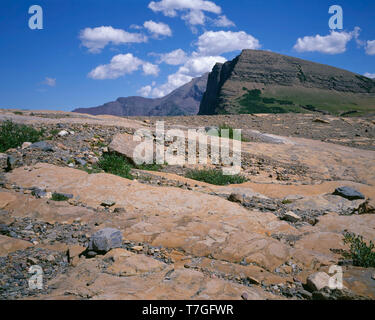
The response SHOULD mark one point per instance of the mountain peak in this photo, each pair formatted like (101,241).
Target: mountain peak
(182,101)
(259,81)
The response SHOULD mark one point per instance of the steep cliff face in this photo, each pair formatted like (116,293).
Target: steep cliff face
(259,80)
(182,101)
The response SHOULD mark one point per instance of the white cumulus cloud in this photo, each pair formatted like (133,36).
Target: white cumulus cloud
(333,43)
(224,22)
(158,28)
(95,39)
(370,47)
(195,66)
(174,58)
(145,91)
(150,69)
(192,11)
(216,43)
(170,7)
(120,65)
(195,17)
(370,75)
(198,65)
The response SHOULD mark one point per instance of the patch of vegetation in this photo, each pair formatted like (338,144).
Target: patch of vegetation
(253,102)
(118,165)
(149,167)
(231,131)
(18,113)
(91,170)
(54,132)
(215,177)
(286,201)
(13,135)
(59,197)
(363,255)
(115,164)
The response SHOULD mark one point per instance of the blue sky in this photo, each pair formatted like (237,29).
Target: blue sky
(158,45)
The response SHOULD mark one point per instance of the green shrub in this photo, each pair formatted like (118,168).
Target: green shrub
(13,135)
(215,177)
(363,255)
(115,164)
(118,165)
(59,197)
(149,167)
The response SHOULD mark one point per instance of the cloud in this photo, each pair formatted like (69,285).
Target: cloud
(51,82)
(96,39)
(195,66)
(150,69)
(224,22)
(216,43)
(145,91)
(170,7)
(195,17)
(174,58)
(333,43)
(370,75)
(120,65)
(370,47)
(158,29)
(198,65)
(193,11)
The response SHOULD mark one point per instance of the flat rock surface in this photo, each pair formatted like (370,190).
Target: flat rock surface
(182,238)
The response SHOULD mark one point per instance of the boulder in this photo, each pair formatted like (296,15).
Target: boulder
(74,253)
(236,197)
(125,145)
(9,245)
(317,281)
(348,193)
(105,240)
(25,145)
(291,217)
(63,133)
(43,146)
(3,161)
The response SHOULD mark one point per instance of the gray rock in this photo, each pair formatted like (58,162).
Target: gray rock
(349,193)
(108,203)
(81,162)
(291,217)
(105,240)
(11,162)
(38,193)
(317,281)
(43,146)
(4,229)
(3,161)
(305,294)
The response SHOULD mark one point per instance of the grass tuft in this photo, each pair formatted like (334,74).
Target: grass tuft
(215,177)
(13,135)
(363,255)
(59,197)
(115,164)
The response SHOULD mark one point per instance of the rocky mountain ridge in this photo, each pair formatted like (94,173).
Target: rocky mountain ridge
(182,101)
(262,79)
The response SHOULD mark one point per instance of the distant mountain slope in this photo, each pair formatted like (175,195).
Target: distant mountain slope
(266,82)
(182,101)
